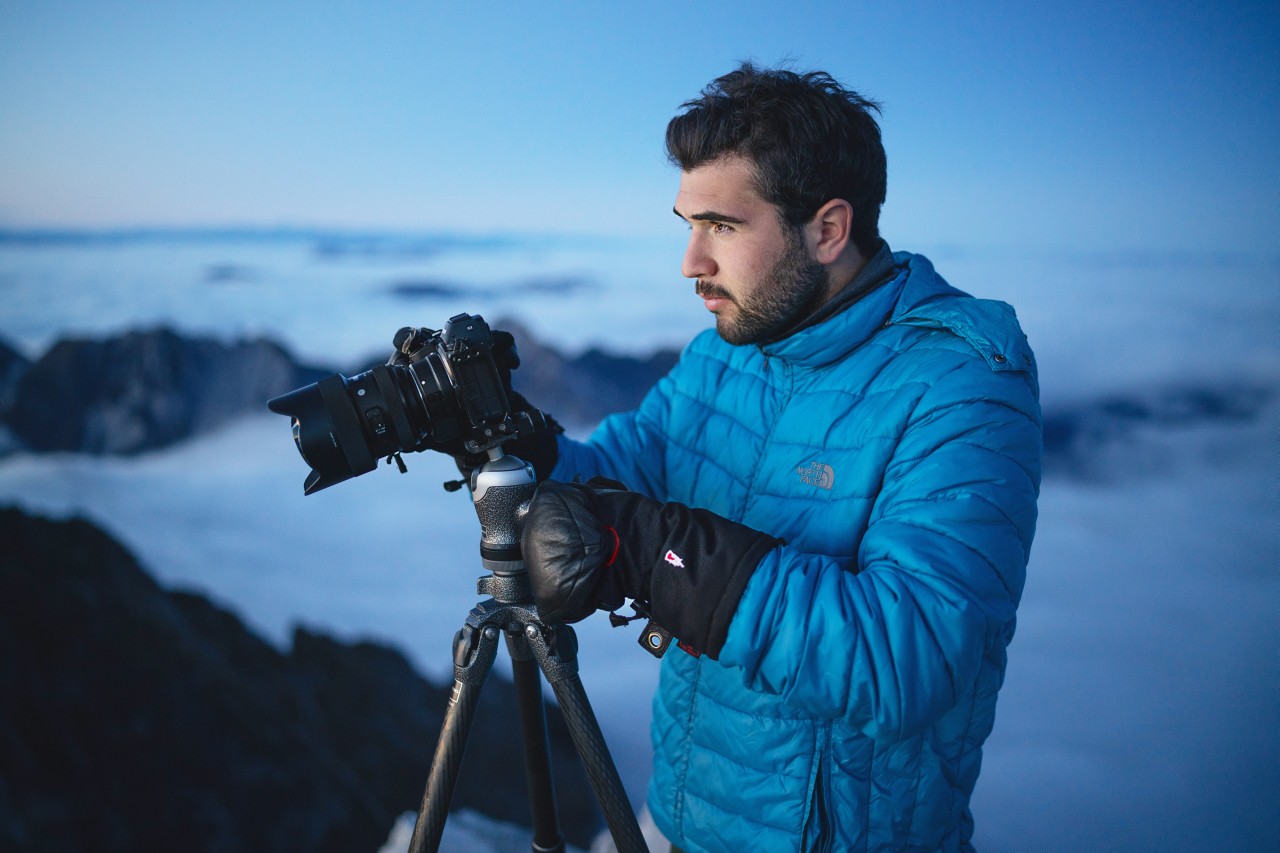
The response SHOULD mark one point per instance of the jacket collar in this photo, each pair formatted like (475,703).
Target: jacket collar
(912,284)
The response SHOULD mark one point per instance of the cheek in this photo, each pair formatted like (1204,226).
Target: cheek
(752,265)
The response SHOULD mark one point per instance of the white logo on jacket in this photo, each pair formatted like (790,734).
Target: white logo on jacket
(674,559)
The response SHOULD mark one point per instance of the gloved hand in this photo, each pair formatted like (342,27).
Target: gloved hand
(589,546)
(540,448)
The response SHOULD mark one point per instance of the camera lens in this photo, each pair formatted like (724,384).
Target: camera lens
(326,428)
(445,394)
(343,426)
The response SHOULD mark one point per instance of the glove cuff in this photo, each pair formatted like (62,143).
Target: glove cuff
(691,564)
(697,602)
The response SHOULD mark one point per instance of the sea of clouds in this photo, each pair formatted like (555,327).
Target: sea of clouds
(1140,705)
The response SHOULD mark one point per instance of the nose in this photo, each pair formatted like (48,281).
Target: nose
(697,262)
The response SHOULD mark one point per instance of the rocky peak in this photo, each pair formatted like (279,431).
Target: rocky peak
(135,718)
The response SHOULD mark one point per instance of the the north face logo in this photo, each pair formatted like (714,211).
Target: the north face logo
(817,474)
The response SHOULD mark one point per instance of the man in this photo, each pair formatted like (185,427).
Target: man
(829,501)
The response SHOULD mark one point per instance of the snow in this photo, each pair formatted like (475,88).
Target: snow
(468,831)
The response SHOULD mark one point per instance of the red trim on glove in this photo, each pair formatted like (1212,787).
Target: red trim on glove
(617,546)
(688,649)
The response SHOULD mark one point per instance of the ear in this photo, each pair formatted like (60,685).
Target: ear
(830,230)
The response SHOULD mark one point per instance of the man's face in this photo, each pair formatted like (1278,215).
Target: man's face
(753,271)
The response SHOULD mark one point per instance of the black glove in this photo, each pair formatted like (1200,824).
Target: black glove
(539,448)
(589,546)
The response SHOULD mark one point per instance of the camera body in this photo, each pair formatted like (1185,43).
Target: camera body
(445,390)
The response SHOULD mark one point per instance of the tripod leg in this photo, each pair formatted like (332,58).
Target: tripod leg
(470,672)
(599,765)
(537,752)
(561,668)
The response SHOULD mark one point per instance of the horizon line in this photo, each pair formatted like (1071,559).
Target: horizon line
(342,239)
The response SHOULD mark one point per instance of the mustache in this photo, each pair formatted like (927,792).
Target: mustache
(711,290)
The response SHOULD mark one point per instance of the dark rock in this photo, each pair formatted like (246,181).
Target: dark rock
(554,285)
(228,273)
(582,389)
(138,719)
(437,289)
(428,290)
(144,390)
(13,365)
(150,389)
(1100,437)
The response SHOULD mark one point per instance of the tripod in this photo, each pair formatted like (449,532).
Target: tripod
(501,489)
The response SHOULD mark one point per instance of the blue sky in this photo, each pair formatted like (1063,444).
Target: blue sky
(1060,126)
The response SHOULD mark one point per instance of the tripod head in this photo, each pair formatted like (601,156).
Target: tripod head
(501,489)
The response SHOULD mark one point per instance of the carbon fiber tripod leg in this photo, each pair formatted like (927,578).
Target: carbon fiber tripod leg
(547,837)
(470,673)
(561,669)
(599,765)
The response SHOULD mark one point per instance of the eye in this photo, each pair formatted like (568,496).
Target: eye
(721,228)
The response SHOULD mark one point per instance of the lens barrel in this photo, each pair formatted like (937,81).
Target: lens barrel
(343,426)
(443,390)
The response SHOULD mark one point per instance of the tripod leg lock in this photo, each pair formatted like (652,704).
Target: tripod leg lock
(474,645)
(556,649)
(463,645)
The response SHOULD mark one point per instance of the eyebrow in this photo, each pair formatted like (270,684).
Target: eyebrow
(709,216)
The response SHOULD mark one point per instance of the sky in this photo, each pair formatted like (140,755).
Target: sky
(1079,127)
(1137,141)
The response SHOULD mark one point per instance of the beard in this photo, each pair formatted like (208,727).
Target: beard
(793,289)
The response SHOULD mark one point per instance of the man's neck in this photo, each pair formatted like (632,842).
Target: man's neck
(842,273)
(871,273)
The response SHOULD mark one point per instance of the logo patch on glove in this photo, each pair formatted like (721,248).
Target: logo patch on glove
(674,559)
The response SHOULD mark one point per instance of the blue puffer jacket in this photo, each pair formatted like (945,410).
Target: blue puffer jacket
(896,450)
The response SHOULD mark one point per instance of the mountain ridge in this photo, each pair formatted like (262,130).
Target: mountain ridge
(136,717)
(149,389)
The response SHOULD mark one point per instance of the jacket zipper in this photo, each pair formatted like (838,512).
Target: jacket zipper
(823,841)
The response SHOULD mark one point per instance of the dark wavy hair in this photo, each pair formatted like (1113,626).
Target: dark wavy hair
(810,139)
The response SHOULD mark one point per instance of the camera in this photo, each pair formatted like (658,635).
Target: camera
(446,390)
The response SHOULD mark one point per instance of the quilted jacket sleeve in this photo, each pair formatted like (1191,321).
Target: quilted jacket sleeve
(628,447)
(892,647)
